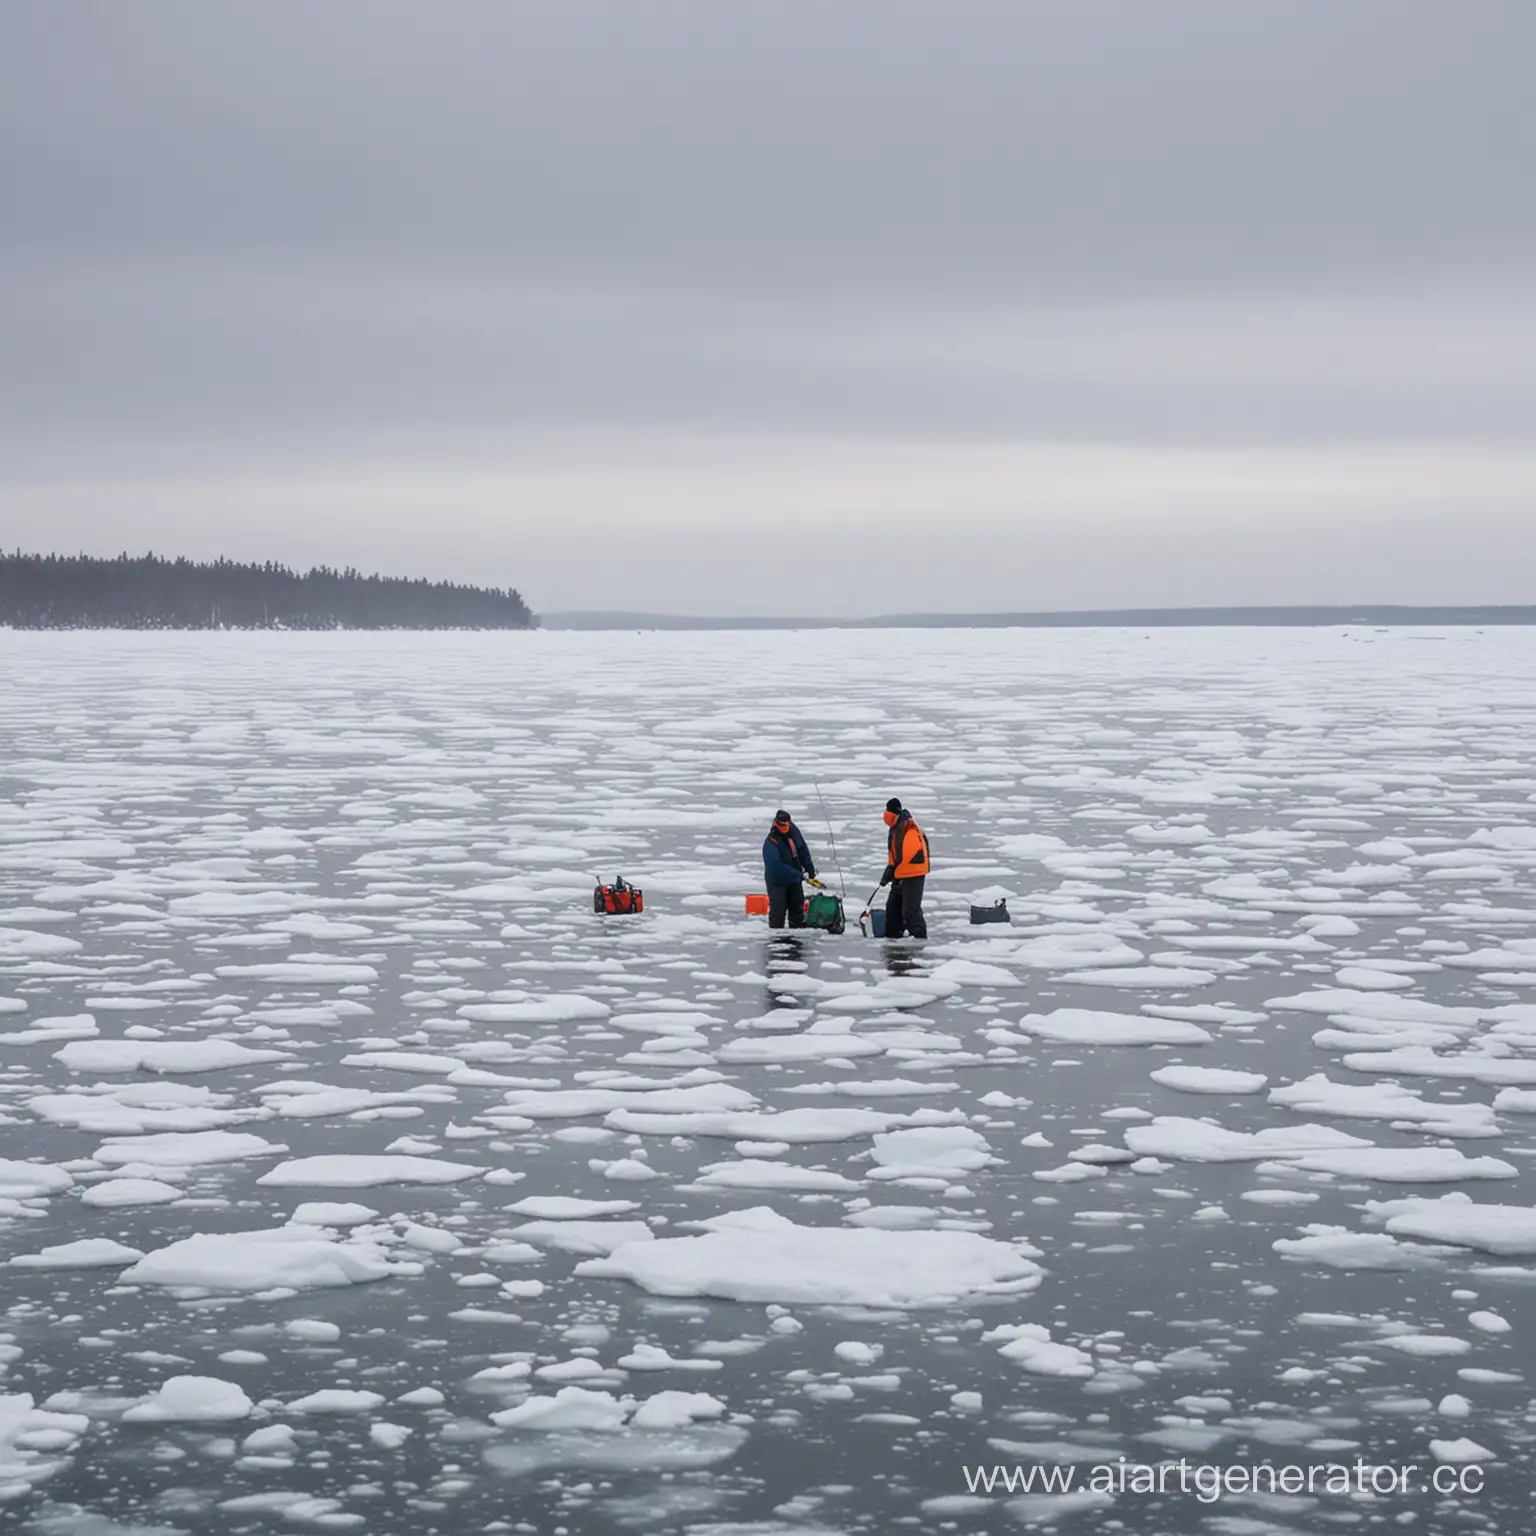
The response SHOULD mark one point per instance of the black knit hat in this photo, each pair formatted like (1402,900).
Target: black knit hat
(893,804)
(781,815)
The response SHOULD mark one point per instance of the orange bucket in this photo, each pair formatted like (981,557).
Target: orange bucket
(757,906)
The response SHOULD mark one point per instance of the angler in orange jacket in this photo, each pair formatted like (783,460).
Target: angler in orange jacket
(906,869)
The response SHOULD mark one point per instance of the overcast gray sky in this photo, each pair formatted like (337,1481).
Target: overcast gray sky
(736,307)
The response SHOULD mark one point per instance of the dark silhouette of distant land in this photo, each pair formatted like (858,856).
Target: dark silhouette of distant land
(148,592)
(1087,618)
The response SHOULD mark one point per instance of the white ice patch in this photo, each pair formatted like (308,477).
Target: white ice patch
(562,1008)
(897,992)
(651,1357)
(585,1237)
(1198,1141)
(1339,1248)
(569,1208)
(773,1260)
(1421,1061)
(169,1056)
(795,1048)
(32,1181)
(364,1171)
(26,944)
(973,973)
(1077,951)
(941,1151)
(1145,977)
(301,973)
(120,1193)
(337,1401)
(1349,1003)
(133,1109)
(797,1126)
(1215,1080)
(32,1442)
(1507,1230)
(76,1026)
(289,1257)
(1029,1345)
(581,1409)
(85,1253)
(1460,1452)
(759,1173)
(192,1400)
(190,1149)
(1403,1165)
(580,1103)
(1368,979)
(1318,1095)
(1081,1026)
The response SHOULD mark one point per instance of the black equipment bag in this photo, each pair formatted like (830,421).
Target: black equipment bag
(996,913)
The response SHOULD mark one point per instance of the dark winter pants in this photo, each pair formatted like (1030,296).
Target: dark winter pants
(904,909)
(786,900)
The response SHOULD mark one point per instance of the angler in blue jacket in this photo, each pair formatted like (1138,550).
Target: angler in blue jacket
(786,863)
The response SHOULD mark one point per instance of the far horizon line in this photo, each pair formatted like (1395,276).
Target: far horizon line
(1214,616)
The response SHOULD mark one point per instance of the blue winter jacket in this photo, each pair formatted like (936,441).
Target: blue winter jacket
(786,859)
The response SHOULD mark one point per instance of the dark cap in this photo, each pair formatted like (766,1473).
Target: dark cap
(893,804)
(781,815)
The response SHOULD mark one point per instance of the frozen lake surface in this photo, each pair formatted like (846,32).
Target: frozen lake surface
(355,1176)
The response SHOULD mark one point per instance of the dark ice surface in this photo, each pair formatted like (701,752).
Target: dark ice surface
(409,798)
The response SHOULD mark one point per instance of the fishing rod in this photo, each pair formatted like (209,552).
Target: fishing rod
(832,839)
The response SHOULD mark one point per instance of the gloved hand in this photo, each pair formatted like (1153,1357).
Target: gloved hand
(812,880)
(885,879)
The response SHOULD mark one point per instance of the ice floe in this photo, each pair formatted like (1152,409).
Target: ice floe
(1081,1026)
(1184,1140)
(192,1400)
(760,1256)
(293,1256)
(1216,1080)
(364,1171)
(1508,1230)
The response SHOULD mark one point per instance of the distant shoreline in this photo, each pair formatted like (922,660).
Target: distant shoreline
(1376,615)
(149,592)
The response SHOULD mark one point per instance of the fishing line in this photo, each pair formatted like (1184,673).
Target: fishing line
(832,838)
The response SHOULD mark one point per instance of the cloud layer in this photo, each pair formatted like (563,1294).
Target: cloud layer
(781,309)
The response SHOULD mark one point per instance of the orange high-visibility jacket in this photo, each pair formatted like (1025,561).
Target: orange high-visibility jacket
(908,849)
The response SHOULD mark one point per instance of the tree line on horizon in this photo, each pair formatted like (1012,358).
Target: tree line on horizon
(151,592)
